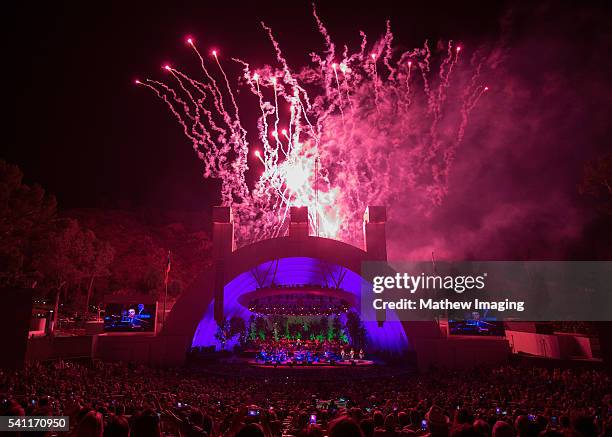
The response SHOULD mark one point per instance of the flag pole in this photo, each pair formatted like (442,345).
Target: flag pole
(316,214)
(168,264)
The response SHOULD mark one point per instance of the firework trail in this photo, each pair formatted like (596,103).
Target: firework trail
(354,134)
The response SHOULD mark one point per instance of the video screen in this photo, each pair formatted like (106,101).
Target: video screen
(474,323)
(129,317)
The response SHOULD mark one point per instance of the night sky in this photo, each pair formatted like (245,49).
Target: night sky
(85,132)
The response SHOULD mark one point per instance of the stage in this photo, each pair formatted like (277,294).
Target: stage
(312,365)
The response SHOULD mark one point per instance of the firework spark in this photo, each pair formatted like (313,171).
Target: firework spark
(364,133)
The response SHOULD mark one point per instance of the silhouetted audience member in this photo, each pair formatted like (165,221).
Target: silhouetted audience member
(367,427)
(502,429)
(379,419)
(565,423)
(482,428)
(585,426)
(117,426)
(437,422)
(311,431)
(146,424)
(251,430)
(521,425)
(344,427)
(551,433)
(463,416)
(403,419)
(463,430)
(91,425)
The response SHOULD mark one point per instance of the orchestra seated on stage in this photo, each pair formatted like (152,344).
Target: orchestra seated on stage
(312,351)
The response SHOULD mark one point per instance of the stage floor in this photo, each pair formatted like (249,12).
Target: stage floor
(337,365)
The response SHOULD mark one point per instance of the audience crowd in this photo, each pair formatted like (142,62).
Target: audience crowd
(237,401)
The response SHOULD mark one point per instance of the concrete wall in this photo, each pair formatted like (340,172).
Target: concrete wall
(37,323)
(559,346)
(573,345)
(543,345)
(46,348)
(142,348)
(461,352)
(139,348)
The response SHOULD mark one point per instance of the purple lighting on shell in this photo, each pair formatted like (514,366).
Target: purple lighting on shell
(299,270)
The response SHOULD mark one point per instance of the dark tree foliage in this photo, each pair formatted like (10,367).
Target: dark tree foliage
(141,240)
(597,183)
(38,249)
(237,326)
(355,330)
(26,215)
(71,258)
(223,332)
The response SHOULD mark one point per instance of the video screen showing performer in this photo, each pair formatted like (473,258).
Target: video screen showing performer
(129,317)
(474,323)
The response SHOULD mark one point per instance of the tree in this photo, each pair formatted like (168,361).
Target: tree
(70,256)
(231,328)
(597,182)
(59,258)
(318,328)
(261,327)
(100,262)
(223,331)
(279,325)
(355,329)
(237,326)
(336,329)
(252,328)
(26,213)
(141,239)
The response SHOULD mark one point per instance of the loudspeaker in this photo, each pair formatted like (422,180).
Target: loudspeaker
(15,326)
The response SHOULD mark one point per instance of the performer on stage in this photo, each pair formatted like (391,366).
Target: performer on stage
(352,354)
(131,316)
(361,354)
(140,318)
(342,353)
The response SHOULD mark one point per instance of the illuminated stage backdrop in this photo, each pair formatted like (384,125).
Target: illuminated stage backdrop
(299,270)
